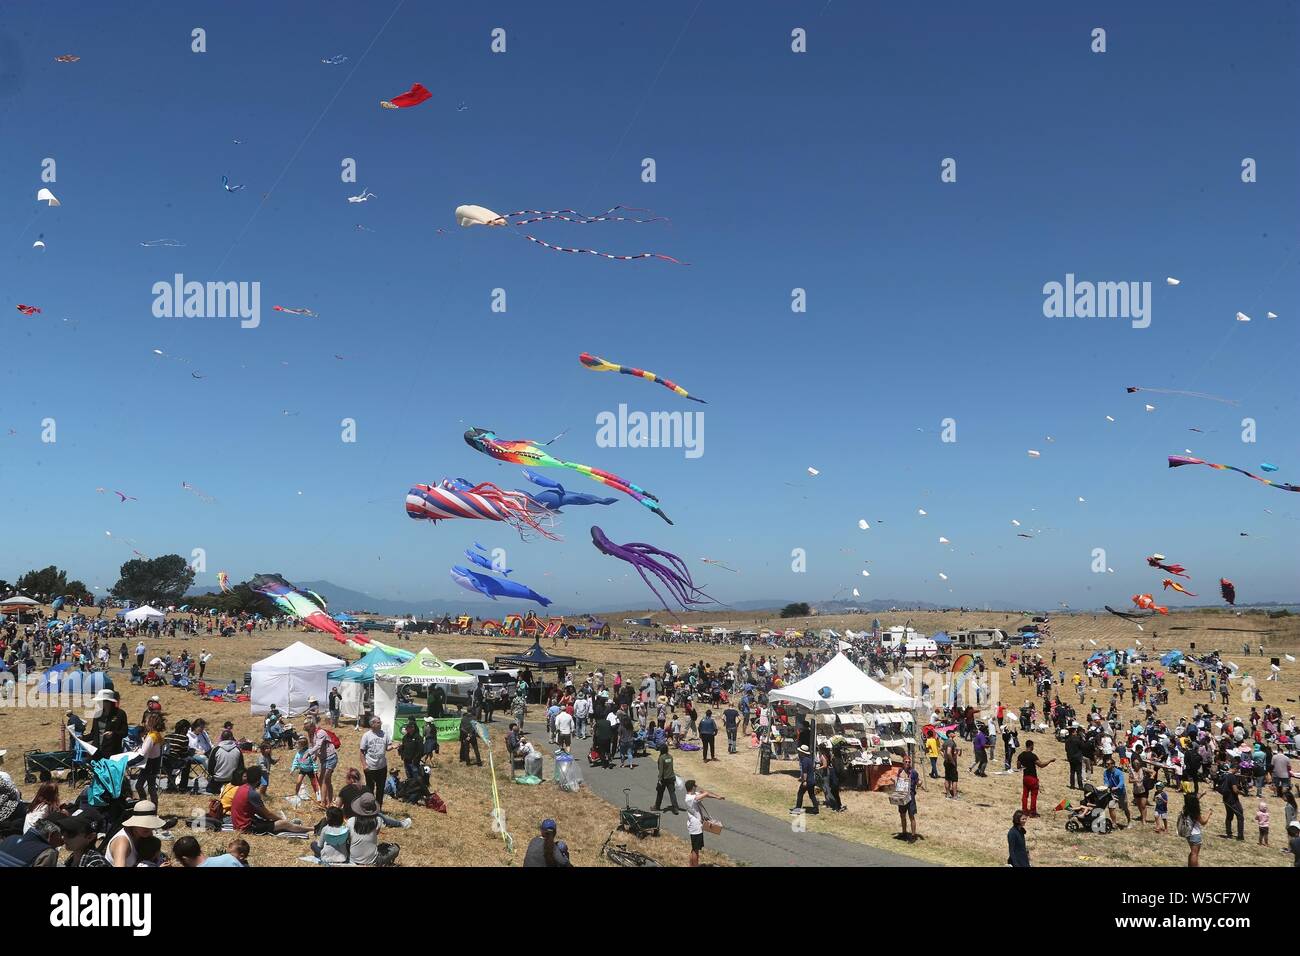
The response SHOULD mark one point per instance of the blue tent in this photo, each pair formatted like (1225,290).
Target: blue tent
(66,679)
(1172,658)
(343,617)
(364,669)
(941,638)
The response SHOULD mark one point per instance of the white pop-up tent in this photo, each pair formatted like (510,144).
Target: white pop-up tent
(847,687)
(144,614)
(291,677)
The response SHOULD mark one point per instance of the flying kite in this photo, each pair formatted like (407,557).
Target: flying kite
(1242,317)
(223,582)
(44,195)
(1228,590)
(40,242)
(1177,460)
(67,58)
(1148,603)
(1129,615)
(719,564)
(1265,466)
(165,243)
(813,472)
(1155,562)
(122,496)
(225,182)
(484,562)
(495,587)
(1178,391)
(416,95)
(459,499)
(1170,280)
(334,60)
(521,452)
(864,524)
(306,606)
(305,313)
(1270,315)
(1171,583)
(28,309)
(1035,454)
(364,196)
(470,215)
(598,364)
(556,497)
(666,566)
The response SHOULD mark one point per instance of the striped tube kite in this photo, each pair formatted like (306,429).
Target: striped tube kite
(598,364)
(457,498)
(520,452)
(1176,461)
(1171,583)
(306,606)
(470,215)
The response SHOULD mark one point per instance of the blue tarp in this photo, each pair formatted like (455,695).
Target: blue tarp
(941,638)
(1170,658)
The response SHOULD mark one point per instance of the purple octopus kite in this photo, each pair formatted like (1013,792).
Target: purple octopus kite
(672,571)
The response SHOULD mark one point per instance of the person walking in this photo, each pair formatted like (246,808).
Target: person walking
(807,780)
(1017,851)
(708,734)
(666,779)
(731,723)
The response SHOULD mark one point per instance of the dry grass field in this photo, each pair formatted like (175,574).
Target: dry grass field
(969,831)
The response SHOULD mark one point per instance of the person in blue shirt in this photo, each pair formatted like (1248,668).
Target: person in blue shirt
(1114,779)
(708,733)
(981,752)
(731,721)
(1017,851)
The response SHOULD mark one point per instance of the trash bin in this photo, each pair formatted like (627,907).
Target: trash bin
(533,765)
(765,759)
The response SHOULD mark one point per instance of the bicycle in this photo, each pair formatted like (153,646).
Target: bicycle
(620,855)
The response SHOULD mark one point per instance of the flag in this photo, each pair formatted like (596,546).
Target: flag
(1063,805)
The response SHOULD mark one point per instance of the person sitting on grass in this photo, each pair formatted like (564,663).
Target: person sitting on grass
(249,814)
(332,836)
(363,829)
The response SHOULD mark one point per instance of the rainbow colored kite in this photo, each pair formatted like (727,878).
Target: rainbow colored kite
(306,606)
(962,667)
(598,364)
(529,453)
(1177,460)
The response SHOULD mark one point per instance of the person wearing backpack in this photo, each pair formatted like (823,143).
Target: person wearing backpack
(1230,790)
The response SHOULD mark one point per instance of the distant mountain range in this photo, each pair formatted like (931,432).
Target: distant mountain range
(346,599)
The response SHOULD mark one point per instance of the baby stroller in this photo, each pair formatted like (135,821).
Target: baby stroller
(1091,816)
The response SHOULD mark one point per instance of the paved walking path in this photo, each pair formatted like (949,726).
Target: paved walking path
(749,836)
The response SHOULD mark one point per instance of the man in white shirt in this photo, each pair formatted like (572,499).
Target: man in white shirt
(375,745)
(564,730)
(695,815)
(581,711)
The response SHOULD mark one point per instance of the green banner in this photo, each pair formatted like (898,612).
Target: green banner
(448,727)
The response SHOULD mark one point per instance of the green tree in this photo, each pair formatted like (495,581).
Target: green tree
(76,590)
(796,610)
(46,584)
(162,580)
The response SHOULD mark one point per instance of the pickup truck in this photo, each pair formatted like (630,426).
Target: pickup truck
(498,683)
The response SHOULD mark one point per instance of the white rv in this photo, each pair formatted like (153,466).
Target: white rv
(981,637)
(894,637)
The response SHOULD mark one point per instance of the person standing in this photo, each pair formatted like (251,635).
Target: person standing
(1030,764)
(666,779)
(1113,778)
(708,734)
(907,783)
(981,752)
(807,780)
(1230,790)
(932,751)
(564,730)
(731,723)
(1074,756)
(468,738)
(695,814)
(1192,819)
(950,755)
(1017,851)
(375,745)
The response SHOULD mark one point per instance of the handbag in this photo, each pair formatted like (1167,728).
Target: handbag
(708,823)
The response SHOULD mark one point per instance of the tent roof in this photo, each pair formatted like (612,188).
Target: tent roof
(19,600)
(364,669)
(142,612)
(535,656)
(849,688)
(426,668)
(298,655)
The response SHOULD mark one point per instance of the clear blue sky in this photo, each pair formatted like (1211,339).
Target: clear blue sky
(778,171)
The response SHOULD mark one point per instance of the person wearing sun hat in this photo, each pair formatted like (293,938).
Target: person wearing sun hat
(142,822)
(364,826)
(108,728)
(807,780)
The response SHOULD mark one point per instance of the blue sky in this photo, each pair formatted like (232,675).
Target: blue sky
(778,170)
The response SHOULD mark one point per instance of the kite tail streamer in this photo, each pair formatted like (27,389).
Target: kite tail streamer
(1177,460)
(573,216)
(604,255)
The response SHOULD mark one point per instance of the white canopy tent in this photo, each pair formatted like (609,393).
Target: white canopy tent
(848,687)
(144,614)
(291,677)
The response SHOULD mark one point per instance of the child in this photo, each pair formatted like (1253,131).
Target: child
(266,762)
(238,848)
(1261,818)
(331,844)
(304,766)
(1162,808)
(390,785)
(149,851)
